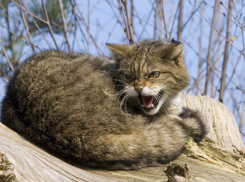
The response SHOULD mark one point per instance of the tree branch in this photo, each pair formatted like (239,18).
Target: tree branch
(128,25)
(6,56)
(49,26)
(27,30)
(164,20)
(226,57)
(61,6)
(210,51)
(180,27)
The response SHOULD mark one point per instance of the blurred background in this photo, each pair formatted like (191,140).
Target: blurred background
(212,33)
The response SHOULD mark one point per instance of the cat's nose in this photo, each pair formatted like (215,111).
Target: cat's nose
(139,88)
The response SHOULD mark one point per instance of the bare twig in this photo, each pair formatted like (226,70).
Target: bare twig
(237,21)
(16,26)
(124,18)
(128,26)
(241,118)
(132,16)
(233,73)
(77,24)
(210,51)
(243,39)
(40,30)
(175,15)
(27,30)
(10,42)
(242,133)
(88,25)
(24,9)
(228,34)
(49,26)
(218,54)
(192,14)
(61,6)
(161,23)
(146,22)
(243,53)
(180,27)
(3,75)
(34,21)
(164,20)
(6,56)
(200,51)
(155,20)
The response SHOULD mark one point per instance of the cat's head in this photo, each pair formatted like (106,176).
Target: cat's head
(149,73)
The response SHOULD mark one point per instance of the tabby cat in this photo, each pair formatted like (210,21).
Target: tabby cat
(122,112)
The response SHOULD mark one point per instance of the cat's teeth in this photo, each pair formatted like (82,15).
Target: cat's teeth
(152,105)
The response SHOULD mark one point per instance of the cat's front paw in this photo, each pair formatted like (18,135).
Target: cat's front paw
(195,123)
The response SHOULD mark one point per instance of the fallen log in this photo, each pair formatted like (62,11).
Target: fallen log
(219,157)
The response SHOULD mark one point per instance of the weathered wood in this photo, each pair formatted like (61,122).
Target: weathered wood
(223,146)
(33,164)
(220,157)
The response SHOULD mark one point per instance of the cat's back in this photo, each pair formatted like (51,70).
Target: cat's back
(54,74)
(58,91)
(54,68)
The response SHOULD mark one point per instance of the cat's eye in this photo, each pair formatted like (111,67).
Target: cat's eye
(129,77)
(154,74)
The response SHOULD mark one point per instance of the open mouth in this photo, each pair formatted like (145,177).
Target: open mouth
(150,102)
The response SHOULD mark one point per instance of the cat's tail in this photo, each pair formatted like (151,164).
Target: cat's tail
(9,116)
(195,123)
(159,142)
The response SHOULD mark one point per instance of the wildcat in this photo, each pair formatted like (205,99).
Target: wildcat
(122,112)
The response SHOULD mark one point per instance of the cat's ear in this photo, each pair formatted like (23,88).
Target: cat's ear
(170,51)
(119,49)
(177,50)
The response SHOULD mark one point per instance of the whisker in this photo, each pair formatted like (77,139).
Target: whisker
(122,81)
(124,69)
(119,85)
(125,97)
(109,94)
(164,108)
(171,92)
(155,87)
(157,97)
(120,93)
(125,105)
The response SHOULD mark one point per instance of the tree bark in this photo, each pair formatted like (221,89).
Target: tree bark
(220,157)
